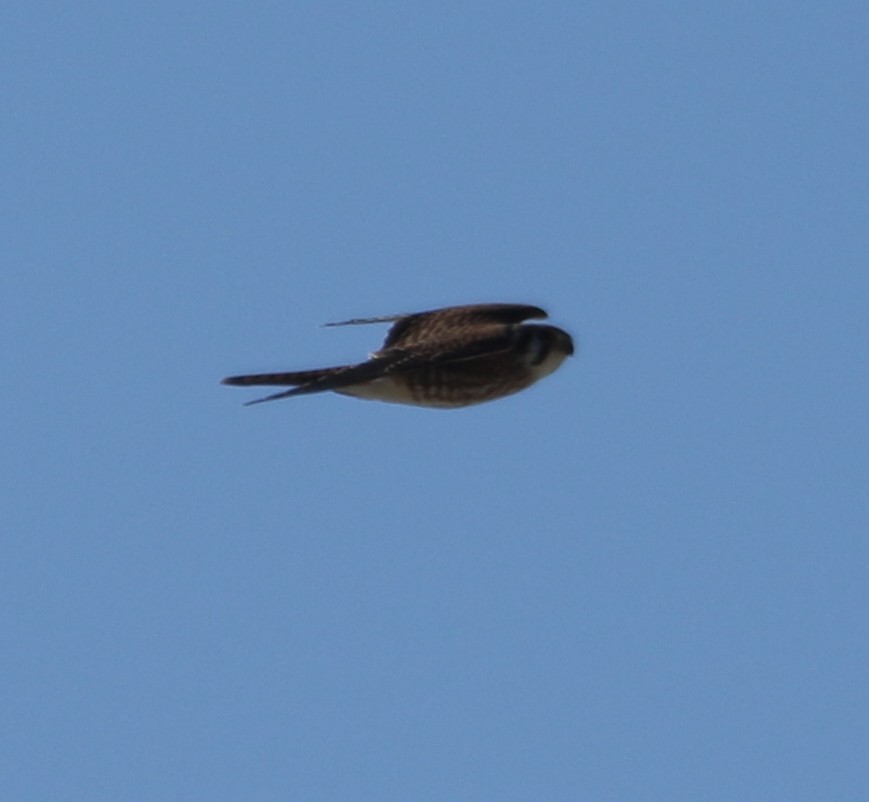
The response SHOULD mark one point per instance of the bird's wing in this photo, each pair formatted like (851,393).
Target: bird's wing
(357,321)
(454,322)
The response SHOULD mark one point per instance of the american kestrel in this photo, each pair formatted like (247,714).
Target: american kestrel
(445,358)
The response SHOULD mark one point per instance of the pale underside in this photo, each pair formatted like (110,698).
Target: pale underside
(457,384)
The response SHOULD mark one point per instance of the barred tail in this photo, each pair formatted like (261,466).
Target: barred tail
(282,379)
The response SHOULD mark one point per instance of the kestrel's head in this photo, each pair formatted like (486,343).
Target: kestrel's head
(544,347)
(560,340)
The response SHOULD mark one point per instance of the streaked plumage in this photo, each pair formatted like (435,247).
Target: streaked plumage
(447,358)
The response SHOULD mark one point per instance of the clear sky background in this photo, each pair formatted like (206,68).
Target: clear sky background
(646,578)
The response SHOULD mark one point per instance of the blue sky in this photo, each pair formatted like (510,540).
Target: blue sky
(643,579)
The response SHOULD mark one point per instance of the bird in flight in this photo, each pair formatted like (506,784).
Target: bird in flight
(444,358)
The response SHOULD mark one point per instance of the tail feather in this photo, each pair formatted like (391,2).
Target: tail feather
(281,379)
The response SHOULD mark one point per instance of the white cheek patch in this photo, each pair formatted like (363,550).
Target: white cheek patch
(536,349)
(549,363)
(540,351)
